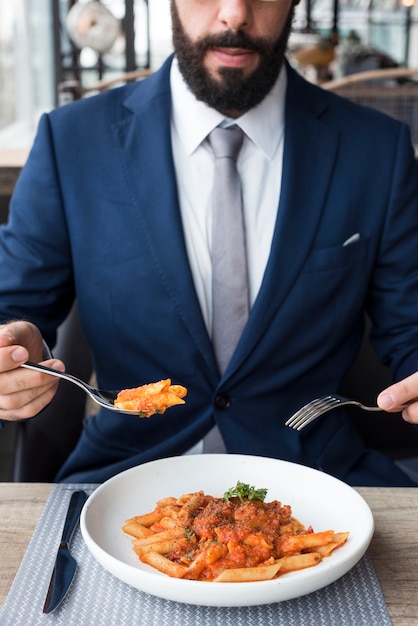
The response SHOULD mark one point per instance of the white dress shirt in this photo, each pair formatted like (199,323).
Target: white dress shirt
(260,167)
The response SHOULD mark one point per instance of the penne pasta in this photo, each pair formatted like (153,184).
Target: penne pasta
(338,540)
(166,535)
(164,565)
(246,574)
(238,538)
(149,518)
(152,398)
(160,547)
(297,543)
(298,561)
(136,530)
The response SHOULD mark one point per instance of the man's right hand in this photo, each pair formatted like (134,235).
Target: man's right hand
(23,393)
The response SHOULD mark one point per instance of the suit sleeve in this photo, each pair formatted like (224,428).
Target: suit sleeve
(393,303)
(35,259)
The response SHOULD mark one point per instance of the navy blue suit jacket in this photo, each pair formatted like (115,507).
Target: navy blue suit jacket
(95,214)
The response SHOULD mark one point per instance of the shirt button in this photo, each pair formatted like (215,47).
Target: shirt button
(222,401)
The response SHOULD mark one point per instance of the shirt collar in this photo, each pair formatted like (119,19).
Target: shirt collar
(194,119)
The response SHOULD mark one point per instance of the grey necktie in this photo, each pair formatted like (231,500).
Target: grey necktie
(229,263)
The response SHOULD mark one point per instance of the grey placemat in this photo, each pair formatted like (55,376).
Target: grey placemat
(100,599)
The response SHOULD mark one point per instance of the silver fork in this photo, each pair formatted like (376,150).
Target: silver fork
(319,406)
(100,396)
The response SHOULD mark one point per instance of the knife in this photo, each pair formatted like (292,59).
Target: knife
(65,564)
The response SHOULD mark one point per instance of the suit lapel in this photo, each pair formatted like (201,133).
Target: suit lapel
(143,141)
(142,136)
(308,159)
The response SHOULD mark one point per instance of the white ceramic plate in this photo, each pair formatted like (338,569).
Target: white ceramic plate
(316,499)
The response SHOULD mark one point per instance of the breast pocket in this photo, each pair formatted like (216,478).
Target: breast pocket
(338,258)
(332,286)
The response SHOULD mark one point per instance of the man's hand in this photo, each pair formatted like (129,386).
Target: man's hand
(402,396)
(23,392)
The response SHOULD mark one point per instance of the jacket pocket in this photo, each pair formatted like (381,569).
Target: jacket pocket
(338,257)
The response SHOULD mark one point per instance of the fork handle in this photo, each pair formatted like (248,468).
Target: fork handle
(49,370)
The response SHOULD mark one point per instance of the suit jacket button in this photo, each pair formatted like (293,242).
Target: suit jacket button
(222,401)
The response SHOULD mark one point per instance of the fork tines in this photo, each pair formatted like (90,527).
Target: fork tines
(311,411)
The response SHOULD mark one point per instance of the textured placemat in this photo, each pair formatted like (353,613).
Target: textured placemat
(100,599)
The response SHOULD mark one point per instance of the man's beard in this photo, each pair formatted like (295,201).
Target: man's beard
(232,91)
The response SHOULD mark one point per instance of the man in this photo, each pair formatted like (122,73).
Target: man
(114,207)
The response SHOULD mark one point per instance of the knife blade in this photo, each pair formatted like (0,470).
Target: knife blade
(65,564)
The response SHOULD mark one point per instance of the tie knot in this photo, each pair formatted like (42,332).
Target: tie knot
(226,142)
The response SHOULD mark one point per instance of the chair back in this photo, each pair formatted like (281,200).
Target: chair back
(71,90)
(43,443)
(391,90)
(386,432)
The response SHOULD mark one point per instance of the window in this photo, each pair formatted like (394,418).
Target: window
(26,69)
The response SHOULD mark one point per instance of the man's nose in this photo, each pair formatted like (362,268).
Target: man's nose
(236,14)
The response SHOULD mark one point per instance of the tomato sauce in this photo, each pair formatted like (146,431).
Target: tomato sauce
(235,534)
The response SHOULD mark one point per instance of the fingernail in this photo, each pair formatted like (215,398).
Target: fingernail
(386,401)
(19,354)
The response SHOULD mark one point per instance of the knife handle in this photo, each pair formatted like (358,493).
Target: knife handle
(77,502)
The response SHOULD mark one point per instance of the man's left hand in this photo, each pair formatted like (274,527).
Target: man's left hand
(401,397)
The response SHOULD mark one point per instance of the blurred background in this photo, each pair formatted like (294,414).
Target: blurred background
(45,44)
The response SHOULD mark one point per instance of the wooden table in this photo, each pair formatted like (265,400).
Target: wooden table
(394,548)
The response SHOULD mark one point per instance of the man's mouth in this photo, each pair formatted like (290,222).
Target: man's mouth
(233,57)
